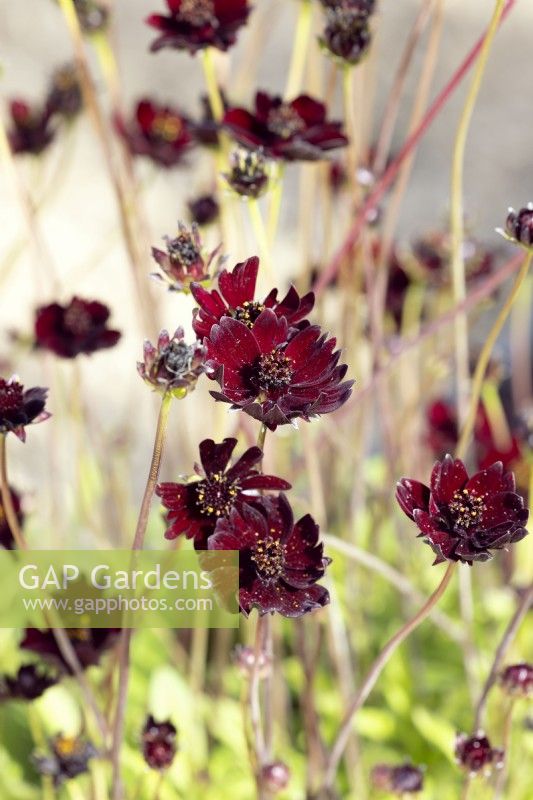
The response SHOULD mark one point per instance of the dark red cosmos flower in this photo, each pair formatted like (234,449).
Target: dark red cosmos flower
(69,757)
(517,680)
(195,507)
(29,683)
(519,225)
(89,644)
(80,326)
(432,257)
(173,366)
(249,174)
(158,132)
(183,262)
(462,518)
(6,536)
(20,407)
(235,299)
(280,562)
(347,34)
(274,378)
(196,24)
(204,209)
(295,131)
(475,753)
(442,432)
(31,130)
(65,95)
(398,779)
(159,743)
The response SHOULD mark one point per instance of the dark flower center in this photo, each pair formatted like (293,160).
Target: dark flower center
(284,121)
(197,12)
(182,250)
(78,320)
(467,508)
(216,495)
(268,557)
(178,357)
(167,127)
(248,312)
(274,371)
(11,396)
(66,746)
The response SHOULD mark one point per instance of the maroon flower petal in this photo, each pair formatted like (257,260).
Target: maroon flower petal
(447,478)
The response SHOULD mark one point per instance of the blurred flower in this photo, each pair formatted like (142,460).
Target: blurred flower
(279,562)
(206,129)
(401,779)
(195,507)
(275,776)
(249,173)
(235,299)
(196,24)
(517,680)
(31,130)
(159,743)
(295,131)
(431,255)
(92,16)
(347,34)
(29,683)
(20,407)
(69,757)
(475,753)
(158,132)
(183,261)
(462,518)
(337,175)
(244,658)
(204,209)
(275,380)
(65,97)
(443,433)
(78,327)
(6,536)
(519,225)
(173,366)
(89,644)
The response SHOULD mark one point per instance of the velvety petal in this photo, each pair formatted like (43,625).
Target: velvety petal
(238,286)
(412,495)
(215,457)
(261,481)
(448,477)
(269,331)
(232,343)
(489,481)
(311,111)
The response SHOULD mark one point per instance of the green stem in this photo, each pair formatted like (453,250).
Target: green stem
(261,236)
(299,52)
(211,82)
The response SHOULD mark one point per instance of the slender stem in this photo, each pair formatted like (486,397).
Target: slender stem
(211,82)
(299,52)
(7,502)
(276,196)
(506,747)
(466,788)
(374,673)
(507,638)
(117,791)
(261,235)
(484,357)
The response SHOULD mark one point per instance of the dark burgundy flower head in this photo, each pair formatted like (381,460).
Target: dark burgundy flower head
(206,129)
(249,172)
(92,16)
(65,97)
(432,257)
(173,366)
(295,131)
(6,536)
(442,428)
(184,261)
(475,753)
(275,776)
(31,129)
(280,562)
(274,377)
(20,407)
(461,518)
(194,507)
(69,757)
(204,209)
(89,644)
(235,298)
(398,779)
(517,680)
(347,34)
(159,743)
(158,132)
(78,327)
(196,24)
(519,225)
(29,683)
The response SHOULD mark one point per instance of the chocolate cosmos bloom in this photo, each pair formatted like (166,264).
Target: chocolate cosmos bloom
(519,225)
(6,536)
(89,644)
(158,132)
(461,518)
(235,299)
(173,366)
(29,683)
(20,407)
(347,35)
(249,174)
(159,743)
(195,507)
(295,131)
(31,130)
(475,753)
(517,680)
(274,378)
(196,24)
(400,780)
(78,327)
(183,262)
(280,562)
(69,758)
(204,209)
